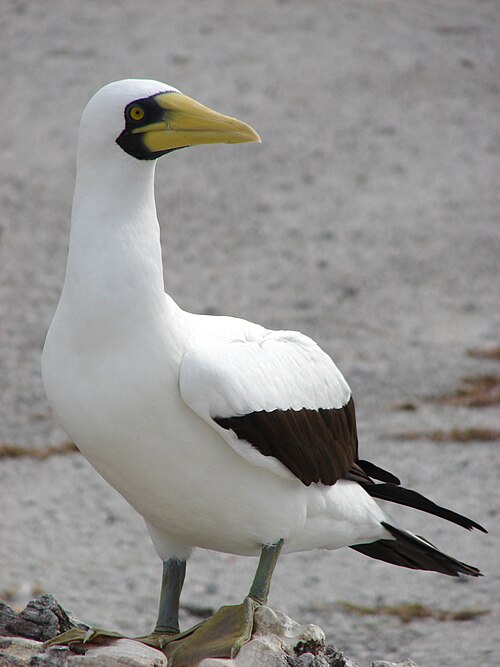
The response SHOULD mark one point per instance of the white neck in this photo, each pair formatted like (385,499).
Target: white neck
(114,251)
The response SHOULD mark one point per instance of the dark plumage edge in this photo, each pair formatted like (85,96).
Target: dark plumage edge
(315,445)
(402,496)
(378,473)
(415,553)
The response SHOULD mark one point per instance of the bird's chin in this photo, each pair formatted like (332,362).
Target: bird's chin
(134,145)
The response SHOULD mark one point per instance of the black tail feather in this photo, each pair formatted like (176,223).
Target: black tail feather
(402,496)
(377,473)
(410,551)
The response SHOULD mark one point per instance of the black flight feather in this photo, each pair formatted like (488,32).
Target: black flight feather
(409,551)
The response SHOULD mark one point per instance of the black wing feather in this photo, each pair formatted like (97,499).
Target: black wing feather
(402,496)
(322,446)
(315,445)
(406,550)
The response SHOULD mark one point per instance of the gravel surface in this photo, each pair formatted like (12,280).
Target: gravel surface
(368,219)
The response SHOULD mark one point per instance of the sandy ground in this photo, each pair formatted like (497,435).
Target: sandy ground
(368,219)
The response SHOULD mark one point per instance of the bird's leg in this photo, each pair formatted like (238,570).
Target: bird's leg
(262,580)
(167,625)
(224,633)
(172,581)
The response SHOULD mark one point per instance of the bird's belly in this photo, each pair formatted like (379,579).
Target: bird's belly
(191,486)
(196,491)
(176,471)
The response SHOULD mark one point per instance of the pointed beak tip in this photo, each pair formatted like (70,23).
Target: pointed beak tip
(252,135)
(245,135)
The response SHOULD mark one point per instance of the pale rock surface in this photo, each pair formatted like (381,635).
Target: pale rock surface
(21,652)
(278,641)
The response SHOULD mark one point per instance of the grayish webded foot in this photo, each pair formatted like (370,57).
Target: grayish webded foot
(220,636)
(93,635)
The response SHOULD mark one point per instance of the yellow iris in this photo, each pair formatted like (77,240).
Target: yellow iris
(136,113)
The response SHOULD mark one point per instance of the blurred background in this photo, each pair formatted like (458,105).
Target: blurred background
(368,219)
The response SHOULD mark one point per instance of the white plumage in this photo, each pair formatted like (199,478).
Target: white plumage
(261,370)
(219,432)
(135,380)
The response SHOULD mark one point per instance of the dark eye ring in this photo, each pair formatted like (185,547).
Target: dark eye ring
(136,113)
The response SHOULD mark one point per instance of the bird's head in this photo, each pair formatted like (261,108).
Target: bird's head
(147,119)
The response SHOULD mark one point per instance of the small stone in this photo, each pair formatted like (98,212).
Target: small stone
(310,660)
(57,656)
(42,619)
(265,651)
(122,653)
(7,615)
(338,659)
(403,663)
(305,660)
(17,651)
(273,622)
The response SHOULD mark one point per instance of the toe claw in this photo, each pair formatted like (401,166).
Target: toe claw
(90,633)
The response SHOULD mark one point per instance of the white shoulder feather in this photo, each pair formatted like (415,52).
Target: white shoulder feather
(278,370)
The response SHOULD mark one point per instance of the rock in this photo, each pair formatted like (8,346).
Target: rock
(277,641)
(7,615)
(18,652)
(42,619)
(273,622)
(119,653)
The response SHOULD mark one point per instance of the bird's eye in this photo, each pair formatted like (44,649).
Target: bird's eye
(136,113)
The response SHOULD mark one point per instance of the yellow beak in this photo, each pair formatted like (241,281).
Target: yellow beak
(185,122)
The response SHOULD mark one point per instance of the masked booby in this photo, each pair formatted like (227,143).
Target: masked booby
(222,434)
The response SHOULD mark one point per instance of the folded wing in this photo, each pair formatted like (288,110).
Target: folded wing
(278,400)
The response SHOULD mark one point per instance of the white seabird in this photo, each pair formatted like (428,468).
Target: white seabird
(220,433)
